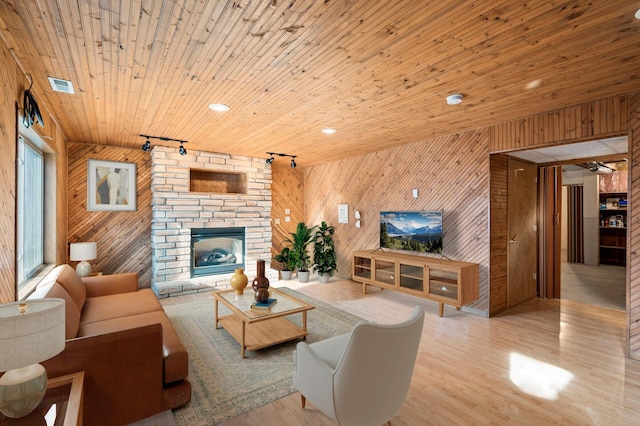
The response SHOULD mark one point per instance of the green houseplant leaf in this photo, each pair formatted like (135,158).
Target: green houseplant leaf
(299,241)
(284,257)
(324,251)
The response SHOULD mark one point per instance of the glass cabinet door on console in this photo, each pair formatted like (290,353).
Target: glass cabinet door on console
(443,284)
(412,277)
(385,272)
(362,267)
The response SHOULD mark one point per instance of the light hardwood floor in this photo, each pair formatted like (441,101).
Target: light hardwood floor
(603,285)
(502,370)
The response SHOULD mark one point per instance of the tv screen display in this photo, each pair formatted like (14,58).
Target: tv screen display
(419,231)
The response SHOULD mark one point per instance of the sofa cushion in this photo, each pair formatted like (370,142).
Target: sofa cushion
(69,279)
(112,306)
(176,360)
(71,311)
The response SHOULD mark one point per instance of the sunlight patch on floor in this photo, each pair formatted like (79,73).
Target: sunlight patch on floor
(536,377)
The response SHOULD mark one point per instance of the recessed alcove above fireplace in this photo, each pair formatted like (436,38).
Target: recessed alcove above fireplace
(217,182)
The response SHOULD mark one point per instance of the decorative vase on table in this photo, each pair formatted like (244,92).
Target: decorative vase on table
(260,283)
(239,281)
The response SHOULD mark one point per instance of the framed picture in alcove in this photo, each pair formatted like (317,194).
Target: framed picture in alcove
(111,186)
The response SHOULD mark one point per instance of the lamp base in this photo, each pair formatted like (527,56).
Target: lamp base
(83,268)
(21,390)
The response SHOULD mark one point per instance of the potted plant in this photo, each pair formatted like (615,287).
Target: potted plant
(299,242)
(324,253)
(284,258)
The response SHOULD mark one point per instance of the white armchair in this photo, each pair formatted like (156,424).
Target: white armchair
(361,377)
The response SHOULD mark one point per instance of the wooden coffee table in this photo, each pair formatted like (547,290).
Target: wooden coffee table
(260,329)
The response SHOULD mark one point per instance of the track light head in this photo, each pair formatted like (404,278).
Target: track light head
(146,146)
(293,163)
(182,150)
(269,160)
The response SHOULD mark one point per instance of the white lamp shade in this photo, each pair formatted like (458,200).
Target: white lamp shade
(83,251)
(32,337)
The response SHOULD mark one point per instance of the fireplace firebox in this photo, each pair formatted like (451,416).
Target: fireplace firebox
(216,250)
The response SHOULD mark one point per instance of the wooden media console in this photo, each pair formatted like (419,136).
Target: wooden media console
(444,281)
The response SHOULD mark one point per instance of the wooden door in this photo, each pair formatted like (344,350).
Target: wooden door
(522,254)
(549,239)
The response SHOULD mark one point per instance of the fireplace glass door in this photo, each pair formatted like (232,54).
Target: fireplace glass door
(217,251)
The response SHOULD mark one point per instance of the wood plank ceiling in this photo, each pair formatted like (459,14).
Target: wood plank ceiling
(377,71)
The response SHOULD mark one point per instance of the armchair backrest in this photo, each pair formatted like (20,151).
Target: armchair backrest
(372,379)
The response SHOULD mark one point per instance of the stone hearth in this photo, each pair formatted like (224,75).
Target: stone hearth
(177,207)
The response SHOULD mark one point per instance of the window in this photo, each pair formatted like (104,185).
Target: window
(30,218)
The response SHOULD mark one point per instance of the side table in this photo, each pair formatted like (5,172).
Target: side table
(62,404)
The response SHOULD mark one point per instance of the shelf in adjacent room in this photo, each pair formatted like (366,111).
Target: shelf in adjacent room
(613,239)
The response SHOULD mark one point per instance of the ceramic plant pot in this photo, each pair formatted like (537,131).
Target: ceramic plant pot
(286,275)
(303,276)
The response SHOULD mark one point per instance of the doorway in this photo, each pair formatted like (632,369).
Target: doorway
(592,207)
(599,277)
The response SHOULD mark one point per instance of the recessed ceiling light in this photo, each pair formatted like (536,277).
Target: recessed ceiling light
(328,131)
(219,107)
(637,15)
(454,99)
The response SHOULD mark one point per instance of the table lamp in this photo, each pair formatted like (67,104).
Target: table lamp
(83,252)
(30,332)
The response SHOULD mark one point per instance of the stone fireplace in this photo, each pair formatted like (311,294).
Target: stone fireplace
(200,195)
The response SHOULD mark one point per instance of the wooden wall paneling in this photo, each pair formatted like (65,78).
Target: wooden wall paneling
(384,181)
(8,123)
(287,192)
(123,238)
(62,176)
(498,230)
(14,82)
(633,232)
(592,120)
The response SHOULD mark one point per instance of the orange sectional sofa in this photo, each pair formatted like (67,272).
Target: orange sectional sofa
(134,362)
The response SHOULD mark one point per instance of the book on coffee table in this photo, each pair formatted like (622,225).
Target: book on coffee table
(267,304)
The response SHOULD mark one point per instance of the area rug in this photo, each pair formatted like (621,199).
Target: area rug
(226,385)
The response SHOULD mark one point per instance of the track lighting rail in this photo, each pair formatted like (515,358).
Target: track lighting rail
(147,144)
(272,156)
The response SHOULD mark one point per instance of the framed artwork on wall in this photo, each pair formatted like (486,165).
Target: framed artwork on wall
(111,186)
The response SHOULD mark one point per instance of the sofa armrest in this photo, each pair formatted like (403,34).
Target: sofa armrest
(104,285)
(123,373)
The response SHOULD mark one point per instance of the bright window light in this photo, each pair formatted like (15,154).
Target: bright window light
(537,378)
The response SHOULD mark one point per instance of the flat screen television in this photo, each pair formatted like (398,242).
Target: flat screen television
(419,231)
